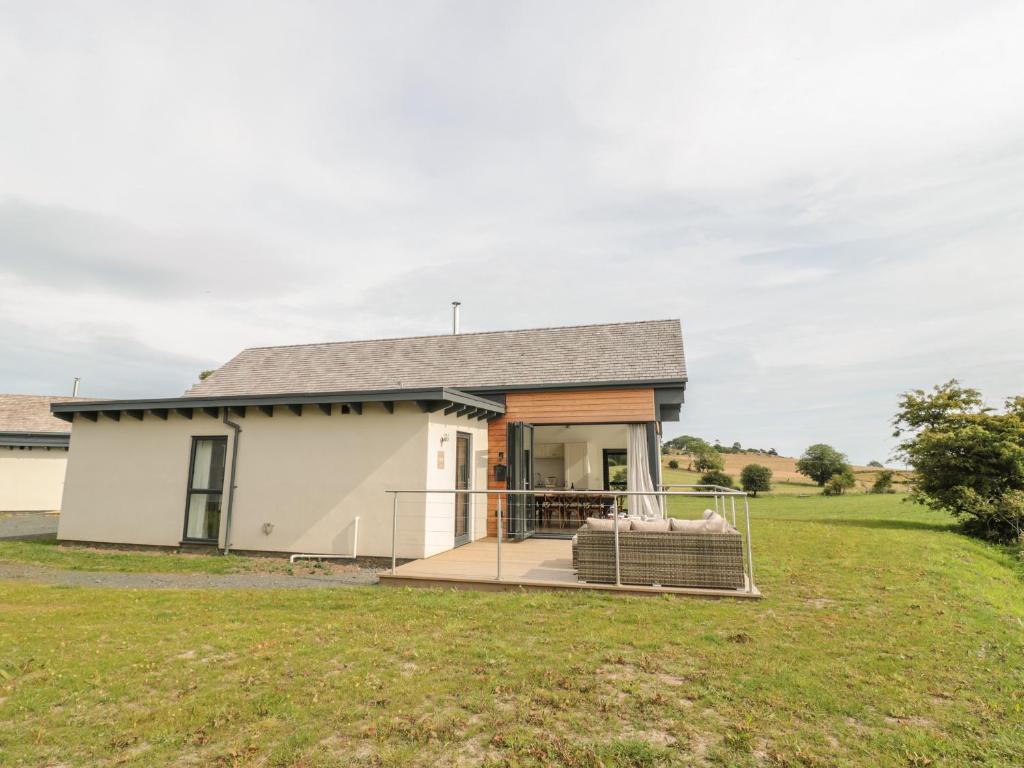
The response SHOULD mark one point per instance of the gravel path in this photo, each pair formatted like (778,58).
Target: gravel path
(27,525)
(38,574)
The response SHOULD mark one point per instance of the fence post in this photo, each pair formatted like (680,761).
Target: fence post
(615,526)
(499,537)
(394,532)
(732,500)
(750,549)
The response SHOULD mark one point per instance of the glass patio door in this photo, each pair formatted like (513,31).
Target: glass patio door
(522,509)
(463,453)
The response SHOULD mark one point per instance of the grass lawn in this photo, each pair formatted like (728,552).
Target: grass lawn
(884,639)
(48,552)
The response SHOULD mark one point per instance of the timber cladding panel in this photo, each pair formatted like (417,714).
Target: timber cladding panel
(577,406)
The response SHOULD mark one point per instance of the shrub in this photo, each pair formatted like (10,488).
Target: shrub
(968,459)
(716,477)
(820,462)
(754,478)
(673,464)
(840,482)
(883,482)
(876,464)
(707,459)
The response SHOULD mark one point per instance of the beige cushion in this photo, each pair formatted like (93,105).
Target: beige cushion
(603,524)
(688,526)
(650,525)
(715,523)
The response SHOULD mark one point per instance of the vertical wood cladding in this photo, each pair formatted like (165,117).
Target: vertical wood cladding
(579,406)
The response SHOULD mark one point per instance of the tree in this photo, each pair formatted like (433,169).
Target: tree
(673,464)
(883,482)
(877,464)
(968,459)
(707,459)
(204,375)
(754,478)
(840,482)
(716,477)
(820,462)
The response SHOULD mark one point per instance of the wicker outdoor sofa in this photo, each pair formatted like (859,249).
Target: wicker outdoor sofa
(666,558)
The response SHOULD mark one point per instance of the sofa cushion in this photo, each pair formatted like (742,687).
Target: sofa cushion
(688,526)
(715,523)
(604,524)
(651,525)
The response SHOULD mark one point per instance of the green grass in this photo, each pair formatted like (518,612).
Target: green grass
(48,552)
(885,639)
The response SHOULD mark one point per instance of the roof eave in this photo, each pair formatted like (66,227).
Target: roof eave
(35,439)
(66,410)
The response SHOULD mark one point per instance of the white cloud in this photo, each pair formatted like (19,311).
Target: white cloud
(826,194)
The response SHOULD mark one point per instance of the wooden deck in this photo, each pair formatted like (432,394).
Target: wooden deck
(531,564)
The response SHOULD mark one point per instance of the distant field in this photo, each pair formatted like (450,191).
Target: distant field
(785,478)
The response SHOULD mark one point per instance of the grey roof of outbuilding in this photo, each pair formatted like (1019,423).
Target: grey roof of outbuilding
(31,413)
(583,355)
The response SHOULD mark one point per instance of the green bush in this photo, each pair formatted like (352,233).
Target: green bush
(754,478)
(883,482)
(717,477)
(673,464)
(840,482)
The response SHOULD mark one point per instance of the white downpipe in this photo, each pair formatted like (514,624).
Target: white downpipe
(355,549)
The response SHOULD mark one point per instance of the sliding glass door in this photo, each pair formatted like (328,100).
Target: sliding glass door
(522,509)
(205,489)
(463,452)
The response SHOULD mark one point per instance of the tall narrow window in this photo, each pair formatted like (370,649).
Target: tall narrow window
(205,488)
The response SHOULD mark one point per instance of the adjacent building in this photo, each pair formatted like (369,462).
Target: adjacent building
(33,454)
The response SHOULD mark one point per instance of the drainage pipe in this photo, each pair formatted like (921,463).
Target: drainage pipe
(355,549)
(231,481)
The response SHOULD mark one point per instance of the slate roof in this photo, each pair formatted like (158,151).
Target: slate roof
(617,353)
(31,413)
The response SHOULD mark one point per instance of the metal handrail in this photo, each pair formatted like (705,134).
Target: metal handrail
(714,491)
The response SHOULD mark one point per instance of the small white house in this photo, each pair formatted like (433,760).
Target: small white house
(293,449)
(33,454)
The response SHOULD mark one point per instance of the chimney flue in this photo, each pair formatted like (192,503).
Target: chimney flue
(455,317)
(74,387)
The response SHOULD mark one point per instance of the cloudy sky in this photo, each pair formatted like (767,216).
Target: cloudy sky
(829,195)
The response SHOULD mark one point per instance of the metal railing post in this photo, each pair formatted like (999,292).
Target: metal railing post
(615,526)
(499,537)
(750,549)
(732,500)
(394,533)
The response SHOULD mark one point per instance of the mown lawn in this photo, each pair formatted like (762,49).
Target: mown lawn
(884,639)
(48,552)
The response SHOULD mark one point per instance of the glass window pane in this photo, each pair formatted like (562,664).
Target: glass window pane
(208,470)
(203,516)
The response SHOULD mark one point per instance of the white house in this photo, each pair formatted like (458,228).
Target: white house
(283,448)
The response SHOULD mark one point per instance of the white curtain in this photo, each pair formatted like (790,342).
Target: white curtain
(638,473)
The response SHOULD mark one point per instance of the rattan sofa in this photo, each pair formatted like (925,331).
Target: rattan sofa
(665,558)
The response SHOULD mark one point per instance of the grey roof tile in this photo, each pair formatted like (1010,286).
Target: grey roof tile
(575,355)
(31,413)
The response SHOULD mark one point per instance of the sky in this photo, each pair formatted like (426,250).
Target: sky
(830,196)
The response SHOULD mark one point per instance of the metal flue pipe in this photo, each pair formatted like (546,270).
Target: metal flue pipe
(455,317)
